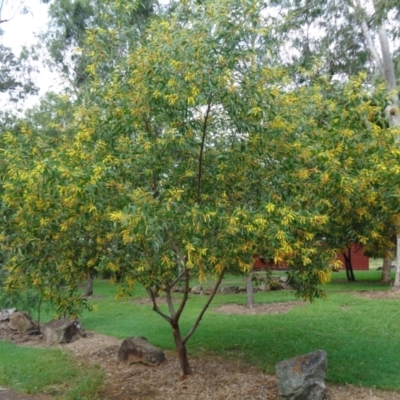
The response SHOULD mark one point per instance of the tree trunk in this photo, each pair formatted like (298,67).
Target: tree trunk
(349,266)
(249,291)
(386,68)
(89,286)
(386,269)
(396,284)
(181,349)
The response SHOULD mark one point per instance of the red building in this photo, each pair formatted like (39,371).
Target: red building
(359,261)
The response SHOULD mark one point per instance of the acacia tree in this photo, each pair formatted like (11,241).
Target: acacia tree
(194,155)
(187,155)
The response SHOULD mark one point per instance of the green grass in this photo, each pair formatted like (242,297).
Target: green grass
(361,335)
(36,370)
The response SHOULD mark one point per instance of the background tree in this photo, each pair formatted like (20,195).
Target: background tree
(64,39)
(339,39)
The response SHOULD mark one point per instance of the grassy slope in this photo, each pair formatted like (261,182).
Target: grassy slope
(360,335)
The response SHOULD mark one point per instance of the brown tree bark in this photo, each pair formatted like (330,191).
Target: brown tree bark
(181,349)
(89,286)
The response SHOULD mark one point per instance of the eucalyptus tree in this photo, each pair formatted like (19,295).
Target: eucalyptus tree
(339,39)
(15,80)
(69,22)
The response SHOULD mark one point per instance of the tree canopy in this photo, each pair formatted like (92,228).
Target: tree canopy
(198,151)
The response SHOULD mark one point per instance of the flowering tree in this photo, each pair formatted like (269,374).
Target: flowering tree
(195,154)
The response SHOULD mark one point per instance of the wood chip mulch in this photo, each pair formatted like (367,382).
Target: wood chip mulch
(379,294)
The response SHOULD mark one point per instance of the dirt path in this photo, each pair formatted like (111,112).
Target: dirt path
(8,394)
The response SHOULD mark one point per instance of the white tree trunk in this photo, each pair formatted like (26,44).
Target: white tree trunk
(385,65)
(249,291)
(387,268)
(393,116)
(396,284)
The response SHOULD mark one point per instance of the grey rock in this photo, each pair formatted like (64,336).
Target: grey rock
(62,331)
(230,290)
(275,283)
(264,287)
(137,349)
(5,314)
(21,322)
(302,377)
(197,289)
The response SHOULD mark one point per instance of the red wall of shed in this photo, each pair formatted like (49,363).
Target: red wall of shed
(358,259)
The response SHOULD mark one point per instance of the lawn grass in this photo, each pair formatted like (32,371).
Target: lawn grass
(49,371)
(361,335)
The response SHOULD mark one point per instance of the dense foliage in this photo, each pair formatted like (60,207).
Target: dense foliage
(186,155)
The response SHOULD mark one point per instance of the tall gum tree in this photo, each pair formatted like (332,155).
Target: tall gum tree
(340,39)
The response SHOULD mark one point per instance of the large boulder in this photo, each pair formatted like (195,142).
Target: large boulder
(264,287)
(137,349)
(62,331)
(302,377)
(5,314)
(197,289)
(230,290)
(275,283)
(21,322)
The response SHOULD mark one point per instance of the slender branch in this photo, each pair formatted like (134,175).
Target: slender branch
(11,10)
(86,246)
(169,302)
(39,309)
(197,322)
(104,252)
(203,139)
(182,258)
(184,298)
(177,279)
(156,308)
(138,25)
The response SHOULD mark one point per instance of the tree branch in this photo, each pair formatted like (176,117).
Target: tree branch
(169,302)
(185,296)
(203,139)
(177,251)
(368,38)
(388,66)
(156,308)
(177,279)
(197,322)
